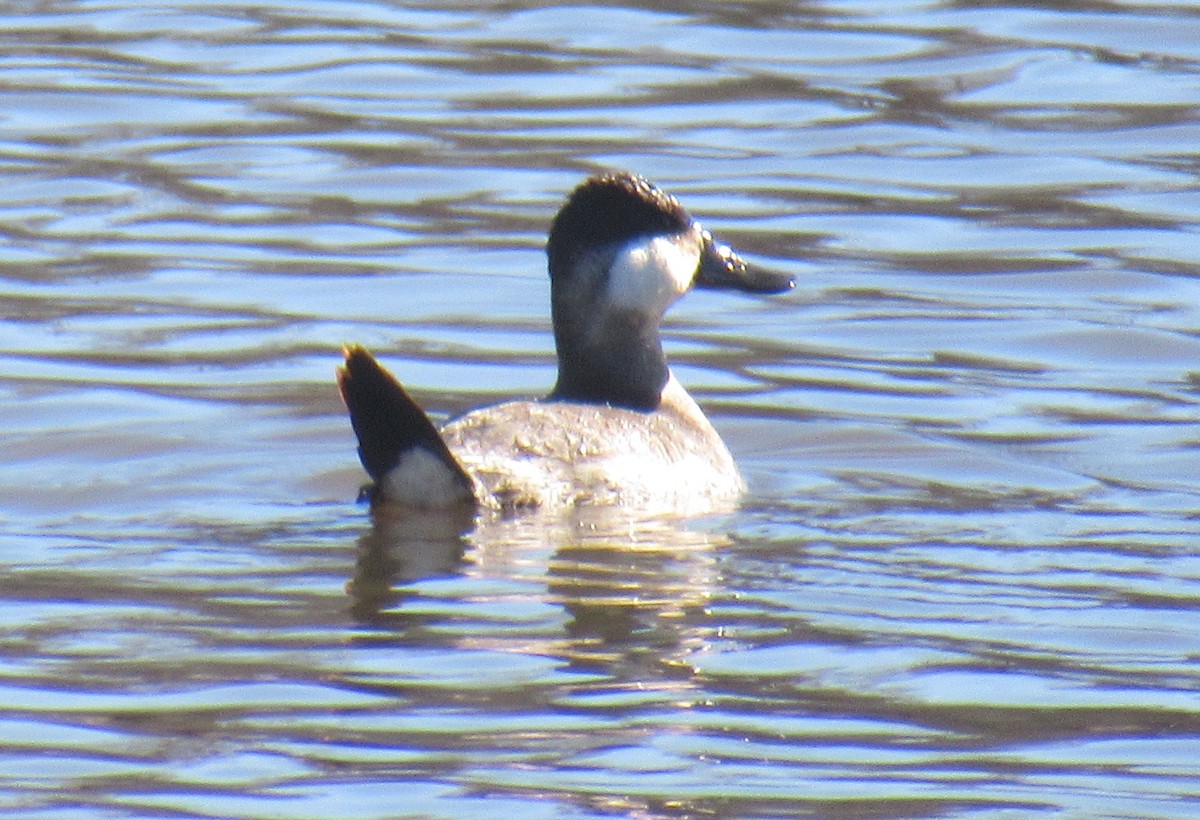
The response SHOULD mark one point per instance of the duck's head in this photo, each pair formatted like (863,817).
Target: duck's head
(621,251)
(620,239)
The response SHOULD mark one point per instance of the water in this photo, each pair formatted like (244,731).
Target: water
(965,582)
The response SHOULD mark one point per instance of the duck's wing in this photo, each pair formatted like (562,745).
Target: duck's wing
(399,446)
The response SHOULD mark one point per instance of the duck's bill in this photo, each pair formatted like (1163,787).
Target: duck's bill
(721,267)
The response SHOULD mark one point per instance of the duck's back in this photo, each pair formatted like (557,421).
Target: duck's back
(553,454)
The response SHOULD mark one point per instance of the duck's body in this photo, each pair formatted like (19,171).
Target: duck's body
(618,429)
(552,454)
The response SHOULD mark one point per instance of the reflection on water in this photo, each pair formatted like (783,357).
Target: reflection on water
(619,580)
(964,580)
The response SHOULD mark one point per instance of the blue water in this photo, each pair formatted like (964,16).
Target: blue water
(963,583)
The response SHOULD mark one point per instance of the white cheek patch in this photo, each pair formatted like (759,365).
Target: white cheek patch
(650,274)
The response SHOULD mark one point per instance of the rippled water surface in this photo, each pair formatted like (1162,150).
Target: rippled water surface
(966,581)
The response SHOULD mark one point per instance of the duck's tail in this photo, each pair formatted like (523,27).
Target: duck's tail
(397,443)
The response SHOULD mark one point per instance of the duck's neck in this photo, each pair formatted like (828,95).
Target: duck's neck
(617,361)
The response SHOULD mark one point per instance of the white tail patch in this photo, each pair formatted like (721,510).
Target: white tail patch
(421,479)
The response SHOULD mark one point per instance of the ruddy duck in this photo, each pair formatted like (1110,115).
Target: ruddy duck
(617,429)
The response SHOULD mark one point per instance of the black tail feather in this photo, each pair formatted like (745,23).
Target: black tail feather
(386,420)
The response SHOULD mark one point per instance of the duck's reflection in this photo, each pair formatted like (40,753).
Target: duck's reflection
(402,547)
(627,586)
